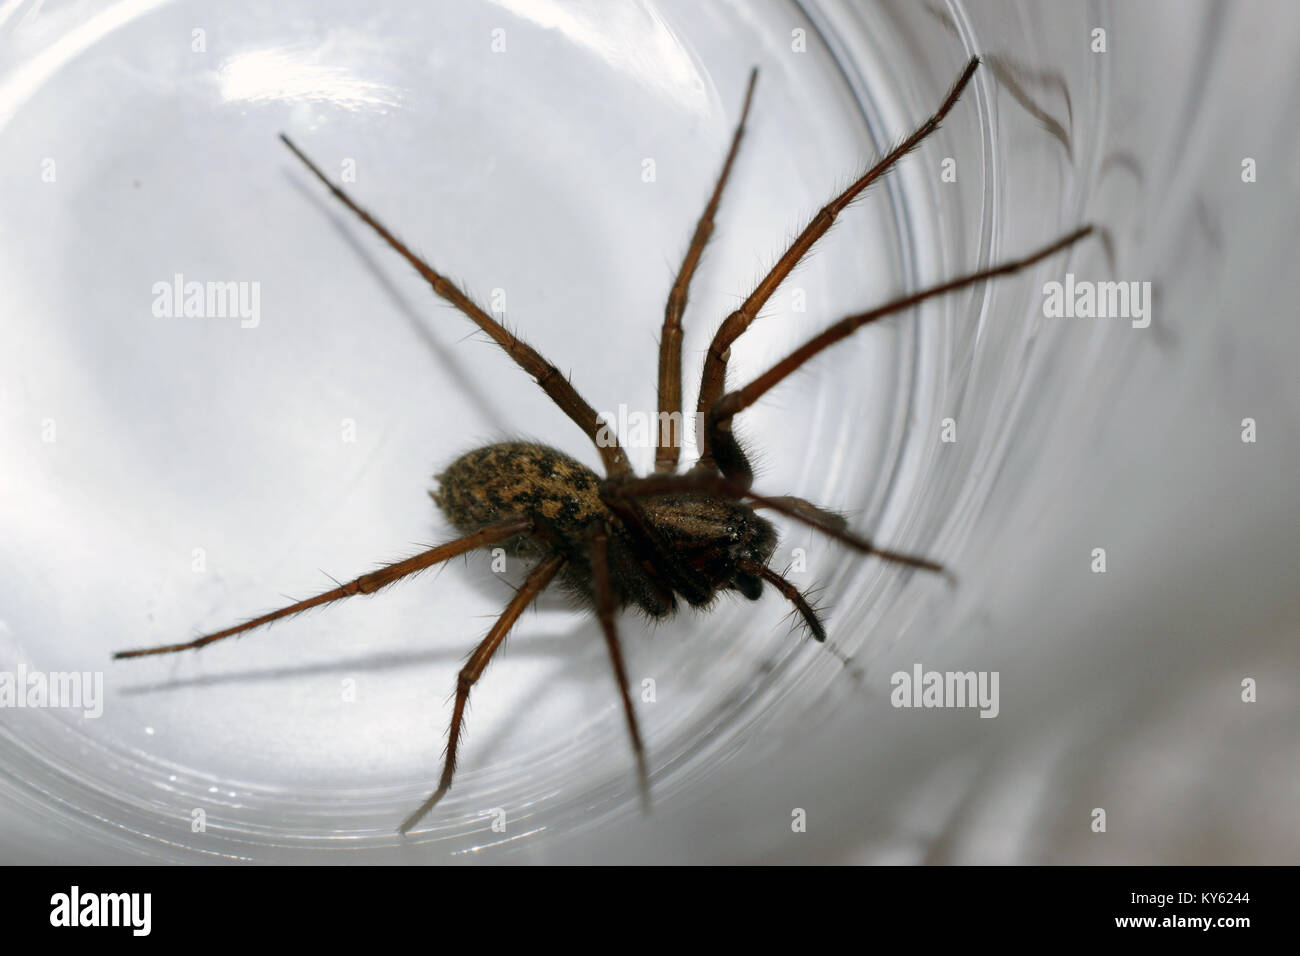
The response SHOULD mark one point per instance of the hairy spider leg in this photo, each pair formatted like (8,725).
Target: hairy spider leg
(727,455)
(718,422)
(535,583)
(663,568)
(791,594)
(720,486)
(668,437)
(605,611)
(830,518)
(366,584)
(555,385)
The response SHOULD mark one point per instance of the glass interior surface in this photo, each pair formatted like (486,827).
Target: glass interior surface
(553,157)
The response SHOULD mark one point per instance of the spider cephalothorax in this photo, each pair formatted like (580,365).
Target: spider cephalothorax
(624,540)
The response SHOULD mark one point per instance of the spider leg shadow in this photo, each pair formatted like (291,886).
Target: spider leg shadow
(368,663)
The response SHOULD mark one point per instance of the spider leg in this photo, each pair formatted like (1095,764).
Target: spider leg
(536,582)
(803,506)
(718,421)
(664,567)
(366,584)
(790,593)
(713,381)
(555,385)
(720,486)
(605,609)
(668,439)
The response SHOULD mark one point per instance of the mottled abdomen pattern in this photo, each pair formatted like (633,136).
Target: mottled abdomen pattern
(519,478)
(562,497)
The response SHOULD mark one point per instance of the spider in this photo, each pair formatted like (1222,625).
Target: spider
(624,540)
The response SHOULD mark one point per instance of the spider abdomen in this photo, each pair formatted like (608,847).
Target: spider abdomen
(520,479)
(560,495)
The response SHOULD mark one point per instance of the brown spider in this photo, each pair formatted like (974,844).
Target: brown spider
(626,540)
